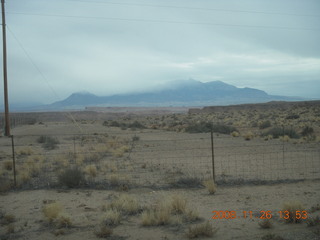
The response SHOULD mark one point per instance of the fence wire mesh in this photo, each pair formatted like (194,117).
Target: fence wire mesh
(155,159)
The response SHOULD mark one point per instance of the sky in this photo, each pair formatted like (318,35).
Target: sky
(105,47)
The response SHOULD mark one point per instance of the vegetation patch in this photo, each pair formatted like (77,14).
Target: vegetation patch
(201,230)
(71,177)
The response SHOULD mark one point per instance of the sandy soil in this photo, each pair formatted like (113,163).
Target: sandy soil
(160,157)
(84,207)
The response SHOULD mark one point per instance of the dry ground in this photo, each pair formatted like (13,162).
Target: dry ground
(84,208)
(145,168)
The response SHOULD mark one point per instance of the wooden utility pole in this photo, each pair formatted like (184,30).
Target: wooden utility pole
(6,102)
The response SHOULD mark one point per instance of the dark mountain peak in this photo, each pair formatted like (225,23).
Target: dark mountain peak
(176,93)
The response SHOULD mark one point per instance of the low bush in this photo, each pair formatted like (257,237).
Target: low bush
(201,230)
(295,210)
(204,127)
(277,132)
(71,177)
(307,131)
(210,186)
(265,124)
(103,232)
(48,143)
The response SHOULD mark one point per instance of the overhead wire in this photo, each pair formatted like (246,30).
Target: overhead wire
(42,75)
(195,8)
(166,21)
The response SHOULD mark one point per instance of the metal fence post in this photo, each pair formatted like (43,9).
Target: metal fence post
(212,155)
(14,162)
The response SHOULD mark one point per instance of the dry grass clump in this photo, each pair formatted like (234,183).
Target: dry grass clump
(103,231)
(235,134)
(313,221)
(126,204)
(25,151)
(120,151)
(266,223)
(7,165)
(112,217)
(168,211)
(71,177)
(51,211)
(6,219)
(63,221)
(54,214)
(248,136)
(159,215)
(201,230)
(292,208)
(91,170)
(5,184)
(272,237)
(10,229)
(178,204)
(210,186)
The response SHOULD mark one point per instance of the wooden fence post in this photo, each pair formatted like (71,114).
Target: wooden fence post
(14,162)
(212,155)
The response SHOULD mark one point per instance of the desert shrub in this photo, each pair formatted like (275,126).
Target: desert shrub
(126,204)
(135,138)
(10,229)
(103,231)
(307,131)
(112,217)
(223,129)
(265,124)
(271,237)
(25,152)
(51,211)
(204,127)
(167,211)
(210,186)
(91,170)
(8,165)
(63,220)
(114,124)
(313,221)
(71,177)
(6,219)
(187,181)
(292,208)
(137,125)
(178,204)
(48,143)
(276,132)
(293,116)
(159,215)
(5,184)
(248,136)
(201,230)
(235,134)
(201,127)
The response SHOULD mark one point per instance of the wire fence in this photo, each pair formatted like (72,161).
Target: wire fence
(154,159)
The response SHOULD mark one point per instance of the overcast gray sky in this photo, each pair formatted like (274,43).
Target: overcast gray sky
(105,47)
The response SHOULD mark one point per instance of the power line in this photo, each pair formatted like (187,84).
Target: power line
(165,21)
(42,75)
(196,8)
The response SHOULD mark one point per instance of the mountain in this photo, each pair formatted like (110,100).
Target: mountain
(182,93)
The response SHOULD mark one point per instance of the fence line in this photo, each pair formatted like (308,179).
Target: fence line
(156,160)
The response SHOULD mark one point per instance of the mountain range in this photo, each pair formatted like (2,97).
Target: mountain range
(183,93)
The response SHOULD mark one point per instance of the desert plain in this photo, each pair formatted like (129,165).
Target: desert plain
(123,173)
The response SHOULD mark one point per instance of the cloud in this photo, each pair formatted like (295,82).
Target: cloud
(239,43)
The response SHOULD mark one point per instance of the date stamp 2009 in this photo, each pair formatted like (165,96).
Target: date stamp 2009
(260,215)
